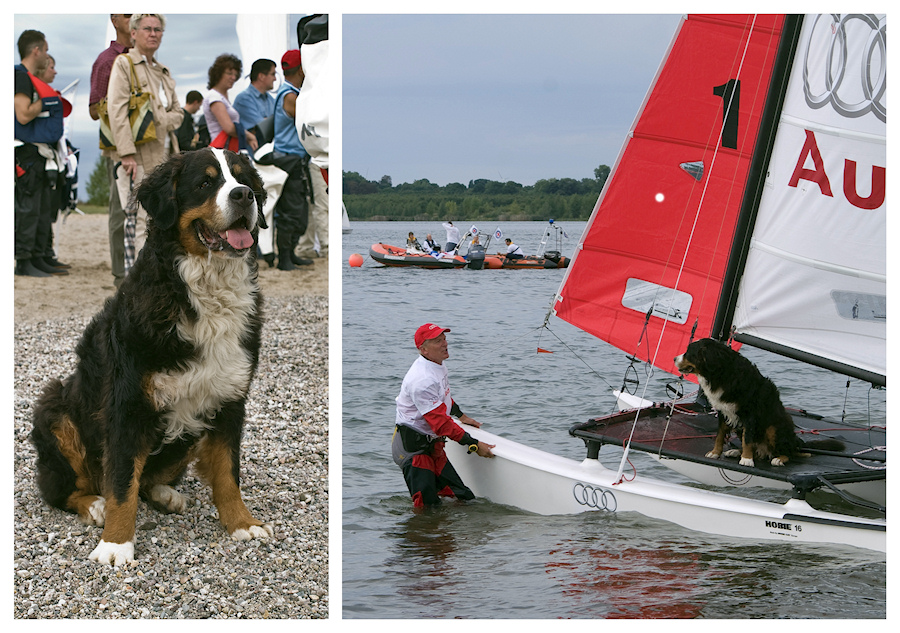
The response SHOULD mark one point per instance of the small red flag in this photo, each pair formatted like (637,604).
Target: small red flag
(541,350)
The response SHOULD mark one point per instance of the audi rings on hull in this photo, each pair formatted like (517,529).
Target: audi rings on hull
(543,483)
(593,497)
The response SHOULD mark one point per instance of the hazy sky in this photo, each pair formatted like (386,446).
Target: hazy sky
(453,98)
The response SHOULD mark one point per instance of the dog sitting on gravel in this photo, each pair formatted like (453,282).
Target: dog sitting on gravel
(746,402)
(164,369)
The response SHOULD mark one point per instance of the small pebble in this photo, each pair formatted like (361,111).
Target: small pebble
(208,575)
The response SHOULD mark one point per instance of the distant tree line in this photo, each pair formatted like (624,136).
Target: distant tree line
(422,200)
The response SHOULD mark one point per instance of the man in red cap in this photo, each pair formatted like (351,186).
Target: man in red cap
(424,407)
(291,210)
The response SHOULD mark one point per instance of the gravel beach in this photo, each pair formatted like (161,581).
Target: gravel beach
(186,565)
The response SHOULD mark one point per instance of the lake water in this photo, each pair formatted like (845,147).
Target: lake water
(483,560)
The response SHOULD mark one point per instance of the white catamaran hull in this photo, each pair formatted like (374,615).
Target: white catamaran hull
(548,484)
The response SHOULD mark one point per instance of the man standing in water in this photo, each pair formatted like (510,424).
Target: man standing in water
(424,407)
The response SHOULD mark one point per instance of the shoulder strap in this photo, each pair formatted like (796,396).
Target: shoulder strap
(135,84)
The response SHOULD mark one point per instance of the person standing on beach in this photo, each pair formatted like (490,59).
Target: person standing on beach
(147,31)
(100,72)
(423,421)
(38,129)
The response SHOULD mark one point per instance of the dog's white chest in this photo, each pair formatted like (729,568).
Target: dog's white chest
(728,409)
(220,369)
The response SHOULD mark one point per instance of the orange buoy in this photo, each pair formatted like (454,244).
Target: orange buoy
(356,260)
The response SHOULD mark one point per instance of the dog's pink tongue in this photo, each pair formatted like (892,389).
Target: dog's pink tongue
(238,238)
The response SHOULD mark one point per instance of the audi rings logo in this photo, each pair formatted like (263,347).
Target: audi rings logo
(597,498)
(848,54)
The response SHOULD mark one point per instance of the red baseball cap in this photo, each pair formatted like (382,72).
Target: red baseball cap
(290,60)
(428,332)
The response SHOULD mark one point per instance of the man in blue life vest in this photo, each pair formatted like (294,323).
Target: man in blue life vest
(424,407)
(292,208)
(38,128)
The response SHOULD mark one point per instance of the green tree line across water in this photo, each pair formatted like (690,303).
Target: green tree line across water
(422,200)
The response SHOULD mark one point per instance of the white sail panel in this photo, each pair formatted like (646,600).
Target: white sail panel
(815,276)
(261,36)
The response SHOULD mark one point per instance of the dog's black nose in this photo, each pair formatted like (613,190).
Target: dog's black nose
(243,195)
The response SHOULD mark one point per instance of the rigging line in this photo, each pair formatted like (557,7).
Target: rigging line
(715,134)
(761,89)
(505,343)
(704,191)
(546,327)
(618,477)
(576,355)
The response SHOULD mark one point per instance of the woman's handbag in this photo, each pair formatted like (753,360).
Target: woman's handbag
(223,141)
(235,143)
(140,116)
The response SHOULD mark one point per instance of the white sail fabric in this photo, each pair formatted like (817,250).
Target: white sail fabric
(261,36)
(313,102)
(815,275)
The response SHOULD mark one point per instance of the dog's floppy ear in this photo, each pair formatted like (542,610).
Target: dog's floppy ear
(259,192)
(156,193)
(260,216)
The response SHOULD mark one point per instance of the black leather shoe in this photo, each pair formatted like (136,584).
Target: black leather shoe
(38,262)
(285,261)
(301,261)
(52,261)
(25,268)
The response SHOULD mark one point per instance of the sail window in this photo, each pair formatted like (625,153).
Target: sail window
(666,303)
(859,306)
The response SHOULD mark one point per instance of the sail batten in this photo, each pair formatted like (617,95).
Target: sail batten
(818,264)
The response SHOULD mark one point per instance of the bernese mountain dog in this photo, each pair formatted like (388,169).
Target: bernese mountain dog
(164,369)
(747,403)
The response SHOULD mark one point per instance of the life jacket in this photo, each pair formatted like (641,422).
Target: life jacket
(46,127)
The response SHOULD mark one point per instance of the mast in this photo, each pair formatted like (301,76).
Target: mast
(756,177)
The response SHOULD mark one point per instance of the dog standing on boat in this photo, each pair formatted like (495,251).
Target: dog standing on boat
(164,369)
(747,403)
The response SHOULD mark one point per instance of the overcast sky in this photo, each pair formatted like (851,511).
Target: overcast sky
(190,44)
(453,98)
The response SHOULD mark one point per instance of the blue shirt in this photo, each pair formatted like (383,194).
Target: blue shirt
(287,139)
(253,106)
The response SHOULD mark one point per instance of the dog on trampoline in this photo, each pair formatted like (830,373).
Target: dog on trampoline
(747,403)
(164,369)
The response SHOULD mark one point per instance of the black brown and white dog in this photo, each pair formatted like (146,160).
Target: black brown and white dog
(164,369)
(747,403)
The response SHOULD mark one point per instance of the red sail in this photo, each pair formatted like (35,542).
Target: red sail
(658,239)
